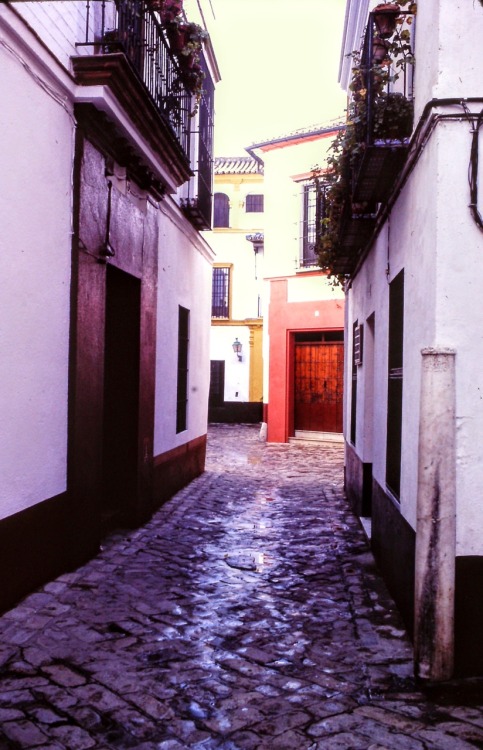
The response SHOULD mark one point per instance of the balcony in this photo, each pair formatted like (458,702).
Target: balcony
(126,50)
(198,200)
(368,155)
(382,104)
(356,226)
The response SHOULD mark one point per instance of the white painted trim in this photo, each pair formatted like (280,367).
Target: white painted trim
(354,25)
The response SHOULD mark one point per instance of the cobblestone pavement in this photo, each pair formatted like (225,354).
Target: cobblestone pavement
(247,614)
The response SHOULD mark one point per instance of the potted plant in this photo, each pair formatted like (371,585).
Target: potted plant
(186,40)
(168,9)
(380,49)
(385,18)
(393,117)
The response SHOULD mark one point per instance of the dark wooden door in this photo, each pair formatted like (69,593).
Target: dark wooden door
(319,378)
(121,398)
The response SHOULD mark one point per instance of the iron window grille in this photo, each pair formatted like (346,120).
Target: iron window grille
(220,293)
(254,203)
(313,211)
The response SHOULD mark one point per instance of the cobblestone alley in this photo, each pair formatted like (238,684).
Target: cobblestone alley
(246,615)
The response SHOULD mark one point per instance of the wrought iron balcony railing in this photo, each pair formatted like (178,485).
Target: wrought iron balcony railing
(382,103)
(129,26)
(197,205)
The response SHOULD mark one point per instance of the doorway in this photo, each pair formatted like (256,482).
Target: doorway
(121,399)
(318,382)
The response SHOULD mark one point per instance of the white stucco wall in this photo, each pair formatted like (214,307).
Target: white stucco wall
(432,236)
(246,271)
(36,159)
(237,373)
(184,278)
(60,25)
(283,203)
(310,288)
(459,324)
(246,288)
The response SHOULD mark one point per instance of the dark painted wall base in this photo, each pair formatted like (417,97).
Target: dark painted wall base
(393,544)
(358,483)
(469,617)
(176,468)
(44,541)
(234,412)
(40,543)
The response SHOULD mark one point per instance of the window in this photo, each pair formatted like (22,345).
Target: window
(220,293)
(395,384)
(313,203)
(353,424)
(221,211)
(182,392)
(254,204)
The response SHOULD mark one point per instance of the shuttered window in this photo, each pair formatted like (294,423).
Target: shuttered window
(395,384)
(182,391)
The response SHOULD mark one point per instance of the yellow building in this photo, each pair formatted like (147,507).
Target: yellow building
(236,324)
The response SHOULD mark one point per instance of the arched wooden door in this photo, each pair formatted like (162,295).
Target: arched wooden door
(318,386)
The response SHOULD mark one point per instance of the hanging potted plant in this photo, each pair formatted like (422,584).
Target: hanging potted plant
(380,49)
(169,10)
(186,41)
(385,19)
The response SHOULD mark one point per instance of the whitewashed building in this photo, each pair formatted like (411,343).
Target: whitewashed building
(105,153)
(413,404)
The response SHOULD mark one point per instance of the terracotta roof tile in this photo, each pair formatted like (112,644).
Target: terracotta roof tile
(237,165)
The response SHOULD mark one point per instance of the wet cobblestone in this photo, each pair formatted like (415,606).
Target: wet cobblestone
(247,615)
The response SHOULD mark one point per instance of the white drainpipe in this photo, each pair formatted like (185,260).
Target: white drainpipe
(436,519)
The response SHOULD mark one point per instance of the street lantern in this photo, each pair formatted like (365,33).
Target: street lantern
(237,347)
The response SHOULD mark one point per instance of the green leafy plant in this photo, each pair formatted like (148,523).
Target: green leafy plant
(392,118)
(186,42)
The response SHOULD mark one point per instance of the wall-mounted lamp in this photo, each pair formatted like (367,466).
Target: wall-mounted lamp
(237,347)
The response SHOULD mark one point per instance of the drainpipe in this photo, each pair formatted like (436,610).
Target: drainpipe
(436,519)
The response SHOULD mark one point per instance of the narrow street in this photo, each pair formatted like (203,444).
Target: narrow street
(247,614)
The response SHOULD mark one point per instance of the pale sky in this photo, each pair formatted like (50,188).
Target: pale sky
(279,62)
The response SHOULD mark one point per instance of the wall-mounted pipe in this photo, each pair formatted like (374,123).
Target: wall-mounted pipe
(424,129)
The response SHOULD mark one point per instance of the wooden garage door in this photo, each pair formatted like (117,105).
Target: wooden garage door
(319,377)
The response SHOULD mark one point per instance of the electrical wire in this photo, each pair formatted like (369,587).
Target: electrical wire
(473,169)
(55,95)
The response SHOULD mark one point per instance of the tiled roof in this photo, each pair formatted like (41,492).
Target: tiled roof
(302,133)
(237,165)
